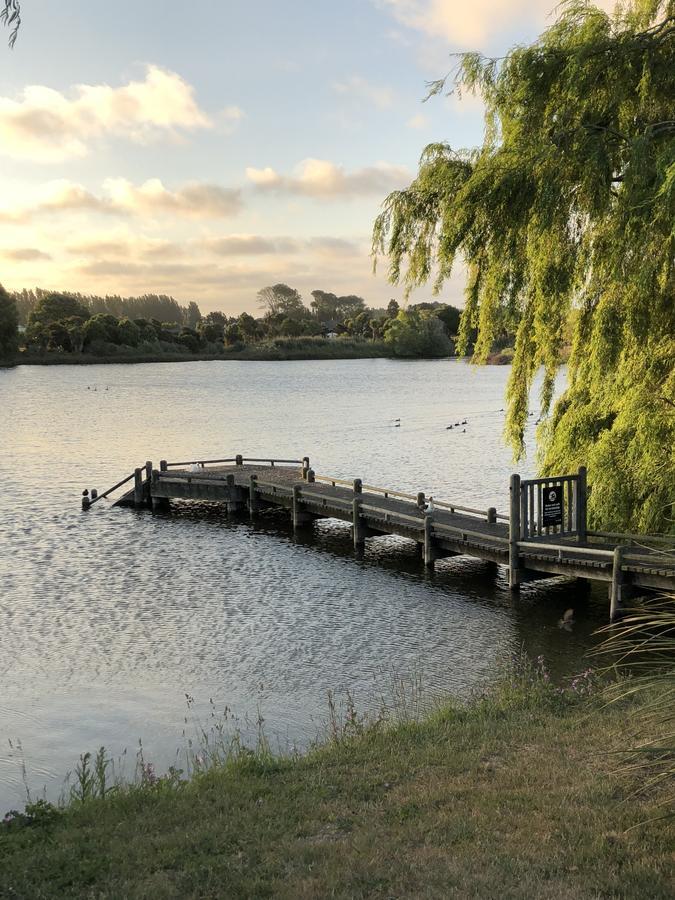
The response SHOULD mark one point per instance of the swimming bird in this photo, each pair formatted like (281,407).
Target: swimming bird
(567,620)
(397,425)
(448,427)
(464,422)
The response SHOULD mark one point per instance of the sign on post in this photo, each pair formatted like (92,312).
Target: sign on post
(552,506)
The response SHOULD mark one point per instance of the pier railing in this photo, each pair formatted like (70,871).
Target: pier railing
(489,515)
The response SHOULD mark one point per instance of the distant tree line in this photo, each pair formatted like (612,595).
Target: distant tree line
(154,324)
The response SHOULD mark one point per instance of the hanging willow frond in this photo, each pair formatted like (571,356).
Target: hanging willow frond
(10,16)
(564,220)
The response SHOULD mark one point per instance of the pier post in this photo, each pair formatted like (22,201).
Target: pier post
(252,499)
(138,488)
(158,504)
(239,460)
(311,478)
(305,467)
(163,465)
(429,555)
(300,517)
(421,499)
(619,589)
(147,487)
(234,503)
(514,532)
(492,516)
(357,527)
(582,495)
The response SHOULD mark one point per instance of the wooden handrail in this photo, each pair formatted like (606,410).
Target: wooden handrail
(388,492)
(654,538)
(110,490)
(418,520)
(457,529)
(199,462)
(233,459)
(575,549)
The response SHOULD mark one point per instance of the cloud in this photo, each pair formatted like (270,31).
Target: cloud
(358,88)
(474,24)
(24,254)
(45,125)
(418,121)
(250,245)
(197,200)
(322,178)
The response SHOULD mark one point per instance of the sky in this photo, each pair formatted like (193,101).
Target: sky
(208,149)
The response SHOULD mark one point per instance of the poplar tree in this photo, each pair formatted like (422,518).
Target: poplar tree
(565,217)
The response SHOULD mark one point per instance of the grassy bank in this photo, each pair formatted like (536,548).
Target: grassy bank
(516,795)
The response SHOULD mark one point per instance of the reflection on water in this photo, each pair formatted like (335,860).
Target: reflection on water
(107,619)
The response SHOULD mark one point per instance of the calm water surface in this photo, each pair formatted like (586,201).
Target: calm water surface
(109,618)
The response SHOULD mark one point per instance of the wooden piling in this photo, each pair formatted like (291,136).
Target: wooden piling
(239,460)
(357,527)
(514,532)
(582,496)
(429,555)
(311,478)
(138,488)
(305,467)
(298,517)
(163,465)
(618,586)
(252,498)
(492,516)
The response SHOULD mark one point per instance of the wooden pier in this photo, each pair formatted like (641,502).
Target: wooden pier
(543,535)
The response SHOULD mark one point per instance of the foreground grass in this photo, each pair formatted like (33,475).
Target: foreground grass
(514,796)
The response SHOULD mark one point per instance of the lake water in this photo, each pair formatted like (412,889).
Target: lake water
(109,618)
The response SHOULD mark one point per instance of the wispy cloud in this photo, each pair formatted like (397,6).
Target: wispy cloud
(198,200)
(45,125)
(24,254)
(360,88)
(473,24)
(418,121)
(323,178)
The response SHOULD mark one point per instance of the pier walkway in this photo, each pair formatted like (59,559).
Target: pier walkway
(544,533)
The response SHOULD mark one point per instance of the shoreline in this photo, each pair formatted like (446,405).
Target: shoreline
(245,356)
(516,793)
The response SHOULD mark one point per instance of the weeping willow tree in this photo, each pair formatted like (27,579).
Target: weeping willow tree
(564,218)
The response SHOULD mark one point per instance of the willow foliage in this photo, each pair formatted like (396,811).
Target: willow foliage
(565,216)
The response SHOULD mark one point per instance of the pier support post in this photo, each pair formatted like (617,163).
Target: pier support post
(357,526)
(311,478)
(492,516)
(305,467)
(620,590)
(582,495)
(300,517)
(138,488)
(158,504)
(239,460)
(421,499)
(163,465)
(514,532)
(252,499)
(234,503)
(429,555)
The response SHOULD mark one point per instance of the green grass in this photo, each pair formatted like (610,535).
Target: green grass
(518,795)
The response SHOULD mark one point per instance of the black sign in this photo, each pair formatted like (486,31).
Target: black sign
(552,506)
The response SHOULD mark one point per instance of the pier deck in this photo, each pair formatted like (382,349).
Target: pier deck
(543,535)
